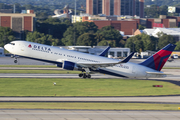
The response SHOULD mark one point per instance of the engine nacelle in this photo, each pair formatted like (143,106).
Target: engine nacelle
(69,65)
(59,65)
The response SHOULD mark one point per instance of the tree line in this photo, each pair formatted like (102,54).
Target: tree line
(61,32)
(80,33)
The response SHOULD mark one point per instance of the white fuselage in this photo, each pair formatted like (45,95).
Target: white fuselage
(58,55)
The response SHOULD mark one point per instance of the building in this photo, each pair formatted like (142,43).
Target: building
(146,31)
(6,10)
(18,22)
(78,18)
(115,7)
(96,50)
(129,25)
(175,32)
(126,26)
(119,52)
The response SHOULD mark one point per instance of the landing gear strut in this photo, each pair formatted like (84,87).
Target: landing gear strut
(84,75)
(15,58)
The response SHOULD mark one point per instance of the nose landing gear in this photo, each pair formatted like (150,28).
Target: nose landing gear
(15,58)
(15,61)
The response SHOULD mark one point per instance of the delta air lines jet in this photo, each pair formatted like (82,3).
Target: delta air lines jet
(87,63)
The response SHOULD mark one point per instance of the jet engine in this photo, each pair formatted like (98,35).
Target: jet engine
(69,65)
(59,65)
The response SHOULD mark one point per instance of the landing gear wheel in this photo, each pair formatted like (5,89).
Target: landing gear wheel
(88,76)
(15,61)
(81,74)
(84,75)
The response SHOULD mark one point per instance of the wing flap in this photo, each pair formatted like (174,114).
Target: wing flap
(104,64)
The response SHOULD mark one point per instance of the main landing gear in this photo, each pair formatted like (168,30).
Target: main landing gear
(84,75)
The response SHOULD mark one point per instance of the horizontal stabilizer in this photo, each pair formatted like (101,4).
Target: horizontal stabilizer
(156,73)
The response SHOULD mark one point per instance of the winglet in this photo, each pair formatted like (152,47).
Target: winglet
(103,53)
(127,58)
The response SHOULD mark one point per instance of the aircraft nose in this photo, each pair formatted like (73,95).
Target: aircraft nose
(6,46)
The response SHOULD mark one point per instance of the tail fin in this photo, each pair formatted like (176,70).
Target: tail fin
(158,60)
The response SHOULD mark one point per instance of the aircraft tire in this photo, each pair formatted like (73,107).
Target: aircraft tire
(89,76)
(80,75)
(15,61)
(84,75)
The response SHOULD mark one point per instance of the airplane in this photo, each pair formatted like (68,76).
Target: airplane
(88,63)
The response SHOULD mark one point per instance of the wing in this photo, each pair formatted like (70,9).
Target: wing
(104,64)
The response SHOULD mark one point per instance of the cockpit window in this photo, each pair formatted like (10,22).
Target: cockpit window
(12,43)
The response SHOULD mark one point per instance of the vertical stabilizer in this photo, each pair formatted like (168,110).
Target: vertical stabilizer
(158,60)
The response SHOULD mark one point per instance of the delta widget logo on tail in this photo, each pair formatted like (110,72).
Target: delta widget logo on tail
(158,60)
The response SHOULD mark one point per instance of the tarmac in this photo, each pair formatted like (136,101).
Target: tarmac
(87,115)
(34,114)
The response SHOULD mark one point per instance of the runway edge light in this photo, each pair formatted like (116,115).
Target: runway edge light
(178,108)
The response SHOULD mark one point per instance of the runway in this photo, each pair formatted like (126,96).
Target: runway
(7,75)
(93,76)
(150,99)
(87,115)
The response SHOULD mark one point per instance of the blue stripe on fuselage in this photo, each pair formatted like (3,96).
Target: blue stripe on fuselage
(54,62)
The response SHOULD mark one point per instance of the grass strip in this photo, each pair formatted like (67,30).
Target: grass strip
(40,71)
(35,66)
(84,87)
(88,106)
(171,68)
